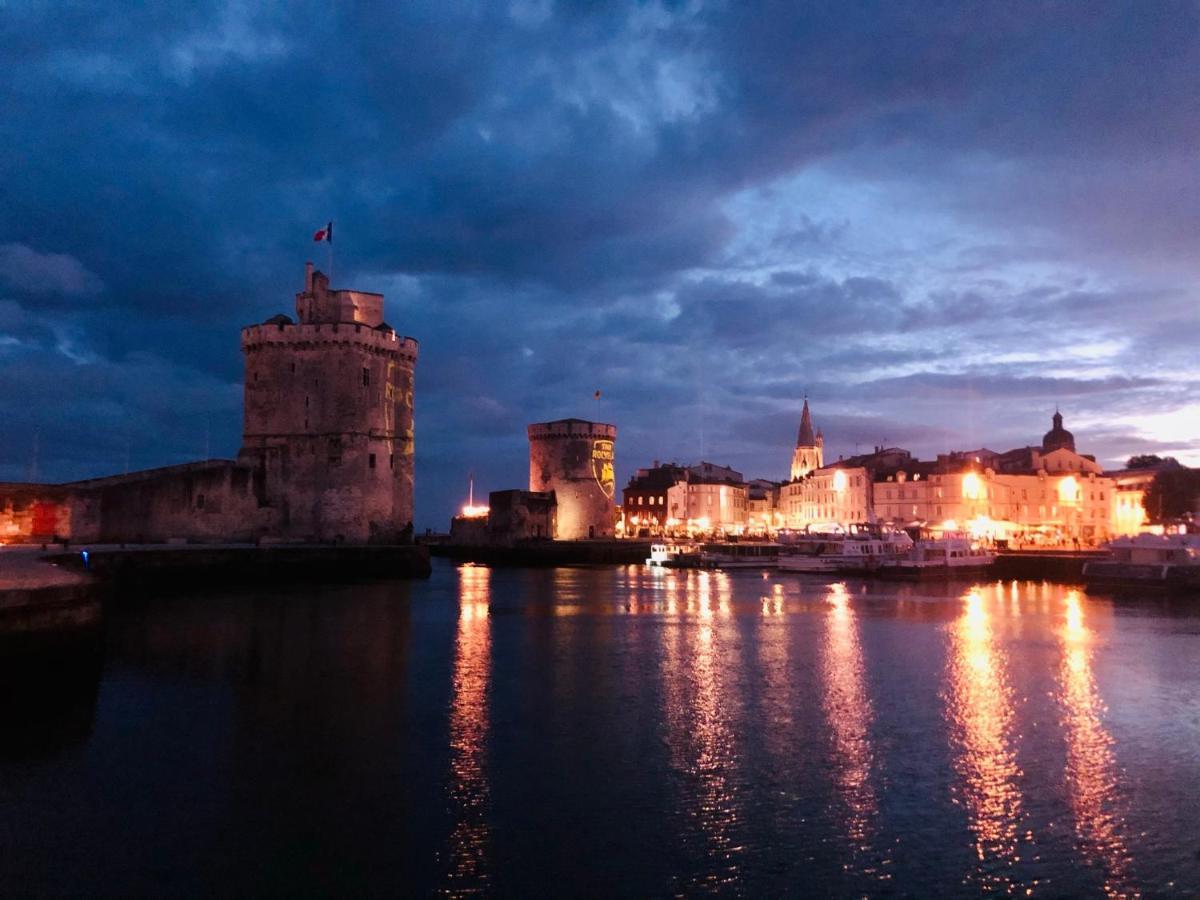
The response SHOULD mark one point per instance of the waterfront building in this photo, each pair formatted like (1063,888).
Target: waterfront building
(763,514)
(841,493)
(576,460)
(327,447)
(644,499)
(672,499)
(1046,493)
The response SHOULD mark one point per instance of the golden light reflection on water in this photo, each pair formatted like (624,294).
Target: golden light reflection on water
(848,710)
(698,664)
(469,841)
(1092,775)
(979,706)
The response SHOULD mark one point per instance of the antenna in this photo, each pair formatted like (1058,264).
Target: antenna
(33,462)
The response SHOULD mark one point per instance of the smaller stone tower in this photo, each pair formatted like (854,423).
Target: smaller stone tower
(810,449)
(328,417)
(576,459)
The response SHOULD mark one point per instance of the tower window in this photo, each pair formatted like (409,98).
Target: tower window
(366,377)
(199,501)
(370,460)
(391,460)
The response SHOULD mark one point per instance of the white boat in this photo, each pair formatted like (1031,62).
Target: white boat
(673,556)
(740,556)
(948,556)
(862,550)
(1148,560)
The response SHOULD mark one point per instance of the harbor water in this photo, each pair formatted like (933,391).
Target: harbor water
(612,731)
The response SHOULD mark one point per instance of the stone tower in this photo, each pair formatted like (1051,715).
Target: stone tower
(810,449)
(576,459)
(329,417)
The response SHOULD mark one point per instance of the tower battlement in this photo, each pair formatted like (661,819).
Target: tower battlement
(302,336)
(571,428)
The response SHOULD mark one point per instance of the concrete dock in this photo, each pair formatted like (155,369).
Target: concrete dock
(37,596)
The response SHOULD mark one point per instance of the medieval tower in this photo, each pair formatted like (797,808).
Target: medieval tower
(328,419)
(576,459)
(810,449)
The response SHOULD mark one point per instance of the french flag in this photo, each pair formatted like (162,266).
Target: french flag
(325,234)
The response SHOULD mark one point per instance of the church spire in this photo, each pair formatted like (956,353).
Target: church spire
(810,448)
(806,438)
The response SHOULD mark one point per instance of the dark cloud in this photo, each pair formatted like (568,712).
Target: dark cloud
(937,219)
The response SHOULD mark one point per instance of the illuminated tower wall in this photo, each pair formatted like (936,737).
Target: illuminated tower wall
(576,459)
(329,416)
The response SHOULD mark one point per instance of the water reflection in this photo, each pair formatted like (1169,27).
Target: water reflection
(848,710)
(469,841)
(697,666)
(1091,767)
(983,733)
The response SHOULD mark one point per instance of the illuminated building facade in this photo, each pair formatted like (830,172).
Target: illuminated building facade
(762,506)
(671,499)
(1047,493)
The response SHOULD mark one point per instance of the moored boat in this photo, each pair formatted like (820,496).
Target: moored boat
(860,551)
(947,556)
(750,555)
(1169,561)
(673,556)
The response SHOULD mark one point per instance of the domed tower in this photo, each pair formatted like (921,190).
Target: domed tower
(1058,437)
(810,448)
(328,419)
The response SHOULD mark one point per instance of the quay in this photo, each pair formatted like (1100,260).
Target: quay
(37,597)
(186,565)
(62,590)
(1062,567)
(548,553)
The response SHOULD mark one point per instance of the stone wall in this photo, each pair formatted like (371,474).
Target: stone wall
(521,515)
(216,501)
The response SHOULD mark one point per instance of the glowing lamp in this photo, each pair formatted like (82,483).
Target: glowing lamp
(1068,489)
(474,512)
(839,481)
(972,486)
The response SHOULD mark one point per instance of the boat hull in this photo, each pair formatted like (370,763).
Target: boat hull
(1133,576)
(935,572)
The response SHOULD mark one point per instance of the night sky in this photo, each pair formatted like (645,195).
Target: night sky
(937,220)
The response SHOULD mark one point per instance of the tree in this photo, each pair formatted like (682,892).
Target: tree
(1149,461)
(1173,493)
